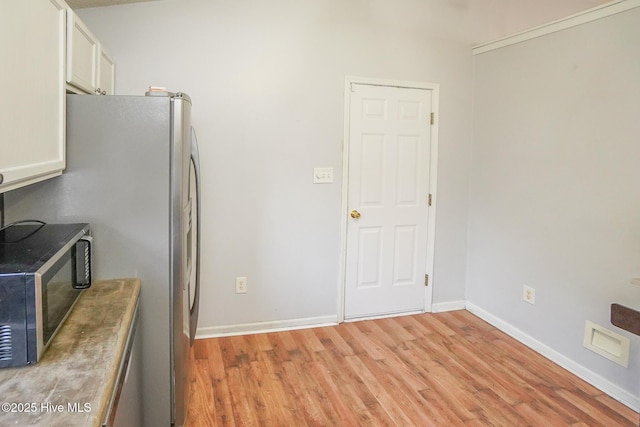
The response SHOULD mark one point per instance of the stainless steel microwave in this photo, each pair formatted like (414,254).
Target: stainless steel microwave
(43,270)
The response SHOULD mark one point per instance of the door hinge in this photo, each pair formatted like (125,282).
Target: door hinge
(430,200)
(433,118)
(426,280)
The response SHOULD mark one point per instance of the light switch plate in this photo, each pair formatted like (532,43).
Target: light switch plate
(322,175)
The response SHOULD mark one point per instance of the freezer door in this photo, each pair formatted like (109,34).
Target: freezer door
(182,256)
(194,233)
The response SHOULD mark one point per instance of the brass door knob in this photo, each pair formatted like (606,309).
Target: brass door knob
(355,214)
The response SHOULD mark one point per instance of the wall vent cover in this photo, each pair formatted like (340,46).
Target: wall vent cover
(606,343)
(5,343)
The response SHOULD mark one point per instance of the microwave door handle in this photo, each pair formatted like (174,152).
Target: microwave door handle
(82,272)
(194,311)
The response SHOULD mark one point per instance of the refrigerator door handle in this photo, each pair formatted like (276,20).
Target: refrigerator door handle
(194,310)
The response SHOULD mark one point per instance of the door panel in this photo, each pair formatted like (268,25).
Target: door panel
(369,257)
(409,110)
(374,108)
(388,185)
(372,179)
(408,182)
(404,259)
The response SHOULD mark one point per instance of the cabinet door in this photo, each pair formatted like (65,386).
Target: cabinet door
(129,409)
(82,55)
(106,73)
(32,43)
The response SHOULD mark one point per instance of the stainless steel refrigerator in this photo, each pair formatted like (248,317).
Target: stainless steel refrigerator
(133,174)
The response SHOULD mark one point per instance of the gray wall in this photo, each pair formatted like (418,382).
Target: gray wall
(555,186)
(267,82)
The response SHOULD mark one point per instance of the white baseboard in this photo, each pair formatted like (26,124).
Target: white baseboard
(262,327)
(441,307)
(592,378)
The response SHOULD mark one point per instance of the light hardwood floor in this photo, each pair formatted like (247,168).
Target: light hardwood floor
(446,369)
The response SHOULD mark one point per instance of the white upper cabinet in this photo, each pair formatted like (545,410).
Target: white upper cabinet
(90,69)
(82,54)
(106,73)
(32,115)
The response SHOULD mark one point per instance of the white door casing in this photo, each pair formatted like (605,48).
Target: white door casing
(390,160)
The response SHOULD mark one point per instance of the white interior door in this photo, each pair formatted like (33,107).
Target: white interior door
(388,200)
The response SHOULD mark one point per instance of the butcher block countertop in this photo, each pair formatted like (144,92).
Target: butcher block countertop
(74,380)
(625,318)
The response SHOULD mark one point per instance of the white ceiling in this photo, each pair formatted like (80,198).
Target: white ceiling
(80,4)
(480,20)
(511,4)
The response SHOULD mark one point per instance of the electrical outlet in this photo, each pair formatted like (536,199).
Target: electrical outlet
(528,294)
(241,285)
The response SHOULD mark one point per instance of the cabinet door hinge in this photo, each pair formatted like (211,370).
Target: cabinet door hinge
(432,118)
(426,280)
(430,199)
